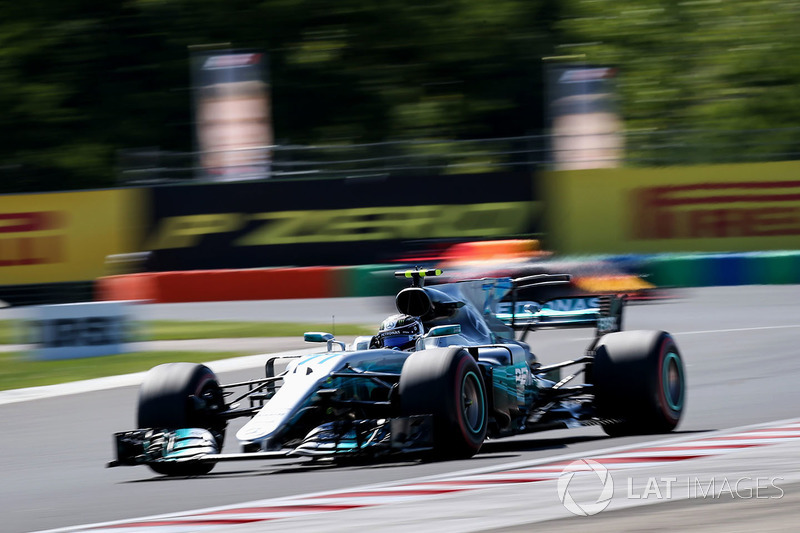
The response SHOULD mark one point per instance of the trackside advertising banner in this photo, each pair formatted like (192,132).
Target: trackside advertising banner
(582,116)
(60,237)
(715,208)
(233,115)
(72,331)
(332,221)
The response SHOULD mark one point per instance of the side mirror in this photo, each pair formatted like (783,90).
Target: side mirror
(317,336)
(443,331)
(429,340)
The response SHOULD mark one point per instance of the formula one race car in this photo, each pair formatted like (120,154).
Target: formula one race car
(590,276)
(449,372)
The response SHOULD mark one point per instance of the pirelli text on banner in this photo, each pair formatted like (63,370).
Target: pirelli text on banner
(718,210)
(705,208)
(32,238)
(63,237)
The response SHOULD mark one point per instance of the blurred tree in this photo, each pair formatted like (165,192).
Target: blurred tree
(80,80)
(721,69)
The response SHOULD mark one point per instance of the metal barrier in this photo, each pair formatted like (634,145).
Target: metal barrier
(441,157)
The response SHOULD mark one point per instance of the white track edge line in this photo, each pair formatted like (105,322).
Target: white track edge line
(450,475)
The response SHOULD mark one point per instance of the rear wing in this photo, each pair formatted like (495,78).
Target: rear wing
(514,302)
(522,312)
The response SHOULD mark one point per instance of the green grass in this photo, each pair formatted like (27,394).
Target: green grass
(164,330)
(7,332)
(168,330)
(17,371)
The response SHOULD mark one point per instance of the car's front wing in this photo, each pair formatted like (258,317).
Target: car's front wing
(372,437)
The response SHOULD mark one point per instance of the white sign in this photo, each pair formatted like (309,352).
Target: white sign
(71,331)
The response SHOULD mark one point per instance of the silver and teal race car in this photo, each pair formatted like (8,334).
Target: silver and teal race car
(464,375)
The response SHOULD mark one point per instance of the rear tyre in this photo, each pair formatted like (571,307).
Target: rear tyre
(182,395)
(447,384)
(639,382)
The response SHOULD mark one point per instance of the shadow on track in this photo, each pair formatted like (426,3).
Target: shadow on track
(494,447)
(491,450)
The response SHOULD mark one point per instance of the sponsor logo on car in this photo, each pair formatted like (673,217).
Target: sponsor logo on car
(563,305)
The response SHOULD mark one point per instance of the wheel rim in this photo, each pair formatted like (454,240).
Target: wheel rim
(472,403)
(672,380)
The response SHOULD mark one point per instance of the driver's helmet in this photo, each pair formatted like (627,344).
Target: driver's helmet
(399,331)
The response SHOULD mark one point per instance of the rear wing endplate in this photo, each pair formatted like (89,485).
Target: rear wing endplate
(601,312)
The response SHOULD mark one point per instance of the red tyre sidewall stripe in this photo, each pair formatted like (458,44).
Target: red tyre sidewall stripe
(462,424)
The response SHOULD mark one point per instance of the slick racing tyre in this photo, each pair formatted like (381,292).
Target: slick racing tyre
(181,395)
(447,384)
(639,382)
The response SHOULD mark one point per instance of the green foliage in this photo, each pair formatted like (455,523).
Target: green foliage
(81,80)
(723,67)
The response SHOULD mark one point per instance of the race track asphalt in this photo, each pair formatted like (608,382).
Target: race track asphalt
(740,348)
(722,515)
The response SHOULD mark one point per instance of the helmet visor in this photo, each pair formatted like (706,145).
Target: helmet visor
(397,341)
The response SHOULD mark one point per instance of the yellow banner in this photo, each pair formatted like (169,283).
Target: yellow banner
(714,208)
(57,237)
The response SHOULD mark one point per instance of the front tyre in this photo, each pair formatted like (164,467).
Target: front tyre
(447,384)
(639,382)
(181,395)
